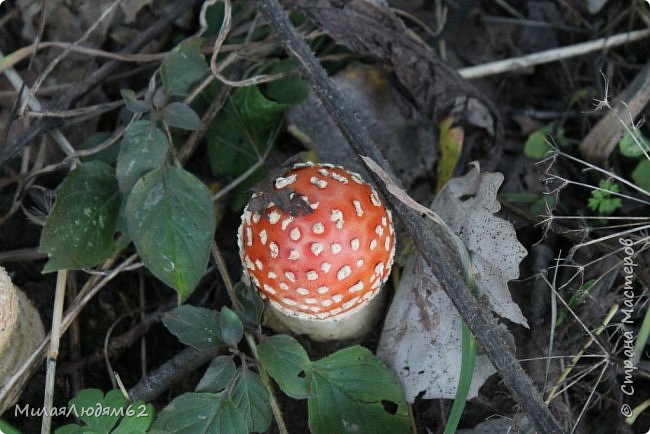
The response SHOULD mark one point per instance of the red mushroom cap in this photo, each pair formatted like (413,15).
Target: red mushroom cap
(325,263)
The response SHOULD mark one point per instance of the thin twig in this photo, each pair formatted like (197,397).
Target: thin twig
(555,54)
(438,250)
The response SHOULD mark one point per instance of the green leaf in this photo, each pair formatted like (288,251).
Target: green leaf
(287,362)
(6,428)
(200,413)
(251,305)
(144,148)
(232,329)
(181,115)
(195,326)
(537,146)
(641,175)
(289,90)
(252,399)
(633,146)
(171,219)
(242,131)
(353,392)
(220,372)
(134,104)
(603,201)
(138,417)
(90,405)
(183,67)
(79,231)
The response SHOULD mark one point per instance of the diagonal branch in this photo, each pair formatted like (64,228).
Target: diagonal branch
(437,249)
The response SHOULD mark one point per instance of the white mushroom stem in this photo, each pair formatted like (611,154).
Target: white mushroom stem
(351,325)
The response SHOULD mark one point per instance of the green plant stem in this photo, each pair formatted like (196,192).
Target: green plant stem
(275,407)
(468,360)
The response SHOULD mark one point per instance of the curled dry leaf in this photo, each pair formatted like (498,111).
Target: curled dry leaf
(421,339)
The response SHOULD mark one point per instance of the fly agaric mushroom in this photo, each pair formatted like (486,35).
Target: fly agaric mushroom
(318,248)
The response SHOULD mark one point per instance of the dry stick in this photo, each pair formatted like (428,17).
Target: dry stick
(437,250)
(53,351)
(96,78)
(517,63)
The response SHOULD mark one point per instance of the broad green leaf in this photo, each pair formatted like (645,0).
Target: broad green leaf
(200,413)
(242,131)
(144,148)
(134,104)
(289,90)
(7,428)
(91,404)
(287,362)
(138,417)
(251,305)
(181,115)
(183,67)
(221,371)
(195,326)
(79,231)
(537,146)
(232,329)
(351,391)
(641,175)
(252,399)
(631,147)
(171,220)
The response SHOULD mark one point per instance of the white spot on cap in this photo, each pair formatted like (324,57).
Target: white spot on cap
(336,311)
(359,262)
(289,275)
(320,183)
(387,244)
(356,178)
(384,221)
(337,216)
(249,236)
(318,228)
(355,243)
(311,301)
(348,304)
(314,309)
(247,217)
(358,208)
(274,216)
(326,303)
(302,291)
(294,255)
(326,267)
(263,237)
(373,244)
(272,275)
(336,248)
(294,234)
(275,250)
(323,289)
(283,286)
(249,263)
(259,264)
(312,275)
(289,301)
(283,182)
(286,222)
(317,248)
(379,268)
(256,217)
(337,298)
(324,172)
(379,230)
(356,287)
(323,315)
(344,272)
(374,199)
(269,289)
(314,205)
(340,178)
